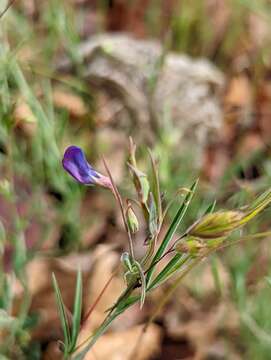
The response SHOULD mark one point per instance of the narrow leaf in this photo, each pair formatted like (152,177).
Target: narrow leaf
(172,229)
(77,310)
(156,188)
(62,313)
(210,208)
(172,266)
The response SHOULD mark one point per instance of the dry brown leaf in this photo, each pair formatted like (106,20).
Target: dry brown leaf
(120,345)
(71,263)
(264,105)
(239,93)
(105,265)
(201,280)
(250,142)
(70,102)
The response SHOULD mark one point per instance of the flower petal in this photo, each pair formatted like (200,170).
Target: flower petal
(75,163)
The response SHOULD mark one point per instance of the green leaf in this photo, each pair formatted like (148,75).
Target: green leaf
(153,227)
(172,229)
(210,208)
(156,188)
(258,205)
(172,266)
(145,188)
(77,310)
(141,184)
(62,314)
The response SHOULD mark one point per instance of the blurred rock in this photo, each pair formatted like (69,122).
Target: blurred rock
(150,90)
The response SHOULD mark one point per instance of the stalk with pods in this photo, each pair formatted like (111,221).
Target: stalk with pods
(209,233)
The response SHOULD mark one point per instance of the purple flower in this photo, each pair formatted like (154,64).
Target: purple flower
(75,163)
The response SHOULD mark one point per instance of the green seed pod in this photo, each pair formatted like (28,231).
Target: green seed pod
(216,225)
(145,188)
(141,183)
(190,245)
(132,221)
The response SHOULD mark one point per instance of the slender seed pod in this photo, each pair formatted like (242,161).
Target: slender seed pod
(132,221)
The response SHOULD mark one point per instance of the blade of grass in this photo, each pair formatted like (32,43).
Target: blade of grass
(156,188)
(216,277)
(210,208)
(77,310)
(62,313)
(172,229)
(173,265)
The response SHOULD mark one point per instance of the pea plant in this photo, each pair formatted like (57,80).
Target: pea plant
(212,231)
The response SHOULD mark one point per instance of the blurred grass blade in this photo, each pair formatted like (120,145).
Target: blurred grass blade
(268,279)
(62,313)
(216,276)
(210,208)
(153,223)
(173,265)
(172,229)
(257,206)
(156,188)
(77,310)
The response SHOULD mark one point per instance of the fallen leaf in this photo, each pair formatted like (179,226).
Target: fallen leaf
(239,93)
(70,102)
(120,345)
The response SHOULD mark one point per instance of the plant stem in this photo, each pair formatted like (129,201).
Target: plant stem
(120,202)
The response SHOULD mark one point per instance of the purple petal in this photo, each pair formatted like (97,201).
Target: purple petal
(75,163)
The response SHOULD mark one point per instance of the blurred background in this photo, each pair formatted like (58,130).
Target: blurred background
(191,80)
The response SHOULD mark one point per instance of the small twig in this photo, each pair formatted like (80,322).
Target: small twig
(98,298)
(120,202)
(9,4)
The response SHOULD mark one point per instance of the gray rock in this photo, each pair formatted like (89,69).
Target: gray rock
(150,89)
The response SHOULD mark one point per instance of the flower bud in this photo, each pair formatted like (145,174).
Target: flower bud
(216,225)
(190,245)
(132,221)
(141,183)
(126,261)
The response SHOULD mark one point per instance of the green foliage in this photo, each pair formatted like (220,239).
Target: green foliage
(70,329)
(37,161)
(208,234)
